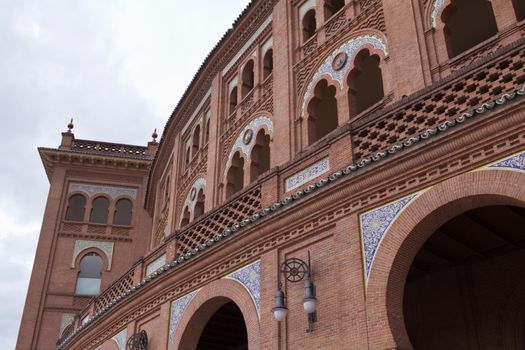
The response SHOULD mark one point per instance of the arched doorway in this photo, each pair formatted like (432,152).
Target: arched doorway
(225,330)
(460,280)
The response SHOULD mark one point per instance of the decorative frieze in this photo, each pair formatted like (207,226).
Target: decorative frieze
(113,192)
(307,174)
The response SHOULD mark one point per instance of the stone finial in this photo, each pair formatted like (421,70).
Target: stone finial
(154,136)
(70,126)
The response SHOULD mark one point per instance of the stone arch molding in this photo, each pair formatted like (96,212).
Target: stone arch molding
(246,147)
(416,218)
(241,286)
(104,247)
(350,49)
(199,184)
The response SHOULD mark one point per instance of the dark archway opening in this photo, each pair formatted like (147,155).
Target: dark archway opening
(460,281)
(260,155)
(235,176)
(519,8)
(365,83)
(468,23)
(309,25)
(225,330)
(331,7)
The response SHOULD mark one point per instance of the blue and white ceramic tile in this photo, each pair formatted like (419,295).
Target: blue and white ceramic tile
(307,174)
(156,264)
(515,162)
(120,339)
(177,311)
(255,125)
(250,277)
(374,225)
(438,4)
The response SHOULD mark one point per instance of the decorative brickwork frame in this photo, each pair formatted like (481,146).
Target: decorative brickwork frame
(412,228)
(207,301)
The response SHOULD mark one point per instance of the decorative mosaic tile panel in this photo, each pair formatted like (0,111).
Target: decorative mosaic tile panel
(515,162)
(121,338)
(67,319)
(113,192)
(250,277)
(106,247)
(177,311)
(307,174)
(374,225)
(156,264)
(438,4)
(350,48)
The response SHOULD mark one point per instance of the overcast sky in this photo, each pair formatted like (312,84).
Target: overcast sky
(118,67)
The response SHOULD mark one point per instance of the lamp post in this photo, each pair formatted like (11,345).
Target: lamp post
(294,270)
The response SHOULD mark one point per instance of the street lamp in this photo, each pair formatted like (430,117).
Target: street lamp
(294,270)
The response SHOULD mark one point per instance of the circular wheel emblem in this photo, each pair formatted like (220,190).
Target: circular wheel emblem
(193,193)
(247,138)
(339,61)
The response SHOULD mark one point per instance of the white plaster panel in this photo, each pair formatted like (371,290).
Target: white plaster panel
(113,192)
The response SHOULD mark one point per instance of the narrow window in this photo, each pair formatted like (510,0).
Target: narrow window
(167,184)
(365,83)
(235,176)
(99,211)
(88,279)
(233,99)
(199,206)
(196,141)
(467,23)
(309,25)
(207,133)
(185,217)
(331,7)
(248,79)
(76,207)
(260,156)
(519,8)
(123,210)
(322,112)
(188,156)
(268,64)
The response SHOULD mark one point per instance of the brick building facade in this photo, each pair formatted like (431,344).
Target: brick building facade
(382,143)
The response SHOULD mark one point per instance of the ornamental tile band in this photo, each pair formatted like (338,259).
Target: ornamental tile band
(307,174)
(438,4)
(120,339)
(515,162)
(350,48)
(113,192)
(177,311)
(250,278)
(255,125)
(81,245)
(156,264)
(375,223)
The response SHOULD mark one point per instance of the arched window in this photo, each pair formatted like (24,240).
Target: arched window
(76,207)
(167,184)
(207,133)
(309,25)
(99,211)
(268,64)
(519,8)
(248,78)
(235,176)
(260,155)
(123,210)
(88,279)
(185,217)
(199,206)
(233,99)
(331,7)
(322,112)
(365,83)
(196,140)
(467,23)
